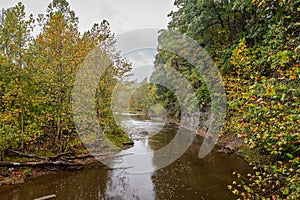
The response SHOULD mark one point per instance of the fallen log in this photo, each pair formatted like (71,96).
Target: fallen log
(80,157)
(38,164)
(111,157)
(41,157)
(84,156)
(9,164)
(46,197)
(59,161)
(27,155)
(59,155)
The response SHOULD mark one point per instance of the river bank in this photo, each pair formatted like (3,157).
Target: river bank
(187,177)
(21,167)
(17,174)
(225,144)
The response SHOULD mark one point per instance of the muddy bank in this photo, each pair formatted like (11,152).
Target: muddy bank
(188,177)
(17,172)
(226,144)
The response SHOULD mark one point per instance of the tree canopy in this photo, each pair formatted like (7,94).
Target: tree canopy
(38,73)
(256,46)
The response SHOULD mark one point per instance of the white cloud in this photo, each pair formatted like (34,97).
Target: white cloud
(123,15)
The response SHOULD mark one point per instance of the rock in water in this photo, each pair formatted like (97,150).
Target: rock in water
(144,133)
(227,149)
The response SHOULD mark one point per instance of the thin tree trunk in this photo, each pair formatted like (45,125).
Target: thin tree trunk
(59,103)
(21,95)
(59,118)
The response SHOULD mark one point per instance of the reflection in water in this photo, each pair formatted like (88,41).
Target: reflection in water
(125,183)
(187,178)
(130,186)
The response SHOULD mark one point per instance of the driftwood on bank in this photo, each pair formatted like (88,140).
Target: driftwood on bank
(59,160)
(84,156)
(40,161)
(111,157)
(52,196)
(67,160)
(38,164)
(60,155)
(21,154)
(27,155)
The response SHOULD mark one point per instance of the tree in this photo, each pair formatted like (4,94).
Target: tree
(60,54)
(256,46)
(37,75)
(100,35)
(15,38)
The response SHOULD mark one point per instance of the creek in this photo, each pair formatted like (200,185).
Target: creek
(188,177)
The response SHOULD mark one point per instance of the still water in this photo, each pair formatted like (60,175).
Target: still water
(187,178)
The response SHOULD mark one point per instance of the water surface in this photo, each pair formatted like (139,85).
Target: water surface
(187,178)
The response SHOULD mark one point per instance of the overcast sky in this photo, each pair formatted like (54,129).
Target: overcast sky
(123,15)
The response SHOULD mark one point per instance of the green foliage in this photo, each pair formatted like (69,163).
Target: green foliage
(37,75)
(268,104)
(143,98)
(14,78)
(166,60)
(117,136)
(256,46)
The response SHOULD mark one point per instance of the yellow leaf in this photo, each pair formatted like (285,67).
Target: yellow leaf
(245,95)
(270,91)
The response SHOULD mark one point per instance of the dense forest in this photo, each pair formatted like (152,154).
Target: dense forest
(254,44)
(38,74)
